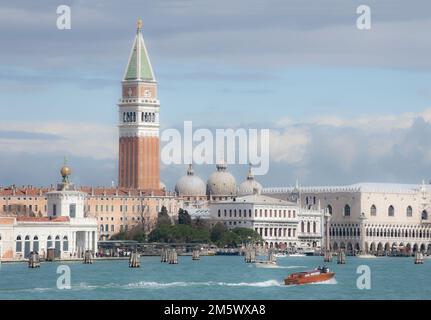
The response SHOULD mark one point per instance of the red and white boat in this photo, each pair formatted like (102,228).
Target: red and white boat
(318,275)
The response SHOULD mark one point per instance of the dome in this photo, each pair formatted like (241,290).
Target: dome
(221,182)
(250,185)
(190,185)
(162,186)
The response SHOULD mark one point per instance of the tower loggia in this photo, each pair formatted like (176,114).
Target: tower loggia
(139,146)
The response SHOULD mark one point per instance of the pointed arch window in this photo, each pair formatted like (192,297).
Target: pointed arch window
(391,211)
(409,211)
(373,210)
(347,210)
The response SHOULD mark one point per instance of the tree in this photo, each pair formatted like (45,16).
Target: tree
(246,235)
(184,217)
(217,232)
(163,217)
(230,239)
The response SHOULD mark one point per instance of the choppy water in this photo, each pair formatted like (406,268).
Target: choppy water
(220,277)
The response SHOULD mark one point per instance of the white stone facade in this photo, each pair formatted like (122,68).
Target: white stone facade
(281,224)
(371,217)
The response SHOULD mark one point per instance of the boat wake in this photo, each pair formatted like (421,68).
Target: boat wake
(161,285)
(330,281)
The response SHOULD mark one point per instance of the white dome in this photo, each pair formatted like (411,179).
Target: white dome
(190,185)
(162,186)
(250,185)
(221,182)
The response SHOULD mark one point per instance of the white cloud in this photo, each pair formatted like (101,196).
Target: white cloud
(79,139)
(289,145)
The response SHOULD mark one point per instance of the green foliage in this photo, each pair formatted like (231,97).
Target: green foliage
(217,232)
(187,232)
(163,217)
(184,217)
(247,235)
(178,233)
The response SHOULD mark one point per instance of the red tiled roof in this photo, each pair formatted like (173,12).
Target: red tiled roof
(96,191)
(42,219)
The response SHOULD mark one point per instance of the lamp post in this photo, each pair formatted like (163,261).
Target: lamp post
(327,254)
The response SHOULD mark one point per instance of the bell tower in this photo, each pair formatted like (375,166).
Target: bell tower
(139,146)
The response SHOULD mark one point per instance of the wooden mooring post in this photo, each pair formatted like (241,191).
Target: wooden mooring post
(134,260)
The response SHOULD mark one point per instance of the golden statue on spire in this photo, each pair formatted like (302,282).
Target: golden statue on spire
(139,25)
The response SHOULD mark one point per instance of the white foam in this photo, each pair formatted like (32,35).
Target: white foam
(161,285)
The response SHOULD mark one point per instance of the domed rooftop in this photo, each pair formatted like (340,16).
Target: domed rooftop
(190,185)
(250,185)
(162,186)
(221,182)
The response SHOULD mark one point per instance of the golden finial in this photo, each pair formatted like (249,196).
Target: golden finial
(65,171)
(139,25)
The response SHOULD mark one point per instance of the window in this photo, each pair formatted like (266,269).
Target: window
(112,228)
(72,211)
(49,242)
(391,211)
(346,210)
(54,209)
(65,244)
(329,209)
(18,244)
(373,210)
(424,215)
(409,211)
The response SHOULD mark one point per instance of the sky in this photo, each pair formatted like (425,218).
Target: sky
(343,105)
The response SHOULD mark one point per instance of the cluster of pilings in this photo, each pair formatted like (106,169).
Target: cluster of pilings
(419,257)
(34,260)
(169,256)
(134,260)
(196,254)
(250,254)
(88,257)
(164,255)
(341,258)
(173,256)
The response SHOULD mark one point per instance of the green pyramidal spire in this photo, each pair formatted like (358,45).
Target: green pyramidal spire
(139,66)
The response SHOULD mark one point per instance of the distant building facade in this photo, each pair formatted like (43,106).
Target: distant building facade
(66,228)
(374,218)
(282,224)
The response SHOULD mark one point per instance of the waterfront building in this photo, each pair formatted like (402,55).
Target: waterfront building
(376,218)
(116,209)
(138,110)
(282,224)
(66,228)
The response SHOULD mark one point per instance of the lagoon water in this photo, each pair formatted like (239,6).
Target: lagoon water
(218,277)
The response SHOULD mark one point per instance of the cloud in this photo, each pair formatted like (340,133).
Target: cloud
(78,139)
(290,145)
(332,149)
